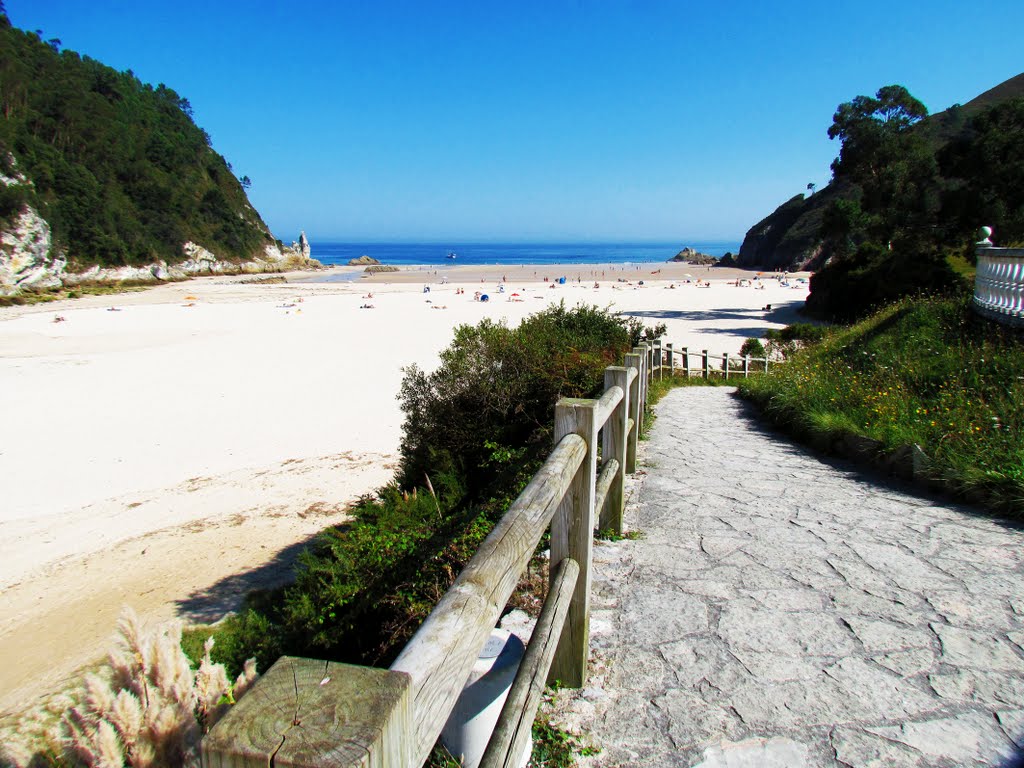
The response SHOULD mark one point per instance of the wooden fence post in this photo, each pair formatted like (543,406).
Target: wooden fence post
(658,360)
(643,371)
(707,364)
(304,712)
(766,362)
(725,364)
(635,407)
(670,361)
(746,366)
(613,446)
(686,361)
(572,535)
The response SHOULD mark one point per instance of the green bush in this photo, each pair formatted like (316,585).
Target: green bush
(475,431)
(752,347)
(486,414)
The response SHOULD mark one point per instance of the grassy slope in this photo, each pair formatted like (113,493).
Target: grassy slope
(923,371)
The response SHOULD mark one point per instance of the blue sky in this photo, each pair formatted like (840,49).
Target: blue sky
(562,120)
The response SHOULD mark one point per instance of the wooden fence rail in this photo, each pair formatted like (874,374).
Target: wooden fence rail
(678,359)
(307,713)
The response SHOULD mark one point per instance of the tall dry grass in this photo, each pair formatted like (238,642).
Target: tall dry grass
(146,707)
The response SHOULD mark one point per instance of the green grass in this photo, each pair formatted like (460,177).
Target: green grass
(962,266)
(924,371)
(553,747)
(75,292)
(607,534)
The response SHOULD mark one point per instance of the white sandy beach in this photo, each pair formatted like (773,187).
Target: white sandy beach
(173,453)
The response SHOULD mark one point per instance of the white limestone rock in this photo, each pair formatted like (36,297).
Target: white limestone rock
(199,260)
(27,259)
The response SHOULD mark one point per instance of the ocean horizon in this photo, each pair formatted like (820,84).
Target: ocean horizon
(333,253)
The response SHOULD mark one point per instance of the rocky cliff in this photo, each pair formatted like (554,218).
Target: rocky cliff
(29,261)
(788,237)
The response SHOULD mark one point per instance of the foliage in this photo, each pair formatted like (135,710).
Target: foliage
(116,166)
(607,534)
(639,332)
(874,276)
(893,166)
(783,343)
(988,158)
(147,707)
(555,747)
(475,431)
(920,371)
(752,347)
(917,190)
(492,398)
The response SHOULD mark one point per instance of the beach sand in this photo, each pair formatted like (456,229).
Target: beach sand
(173,448)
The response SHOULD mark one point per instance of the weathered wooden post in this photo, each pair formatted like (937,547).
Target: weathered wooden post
(746,366)
(635,407)
(670,361)
(656,353)
(572,535)
(686,361)
(766,362)
(309,713)
(613,446)
(644,371)
(725,364)
(707,364)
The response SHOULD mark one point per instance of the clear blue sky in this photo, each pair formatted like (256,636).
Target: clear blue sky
(558,120)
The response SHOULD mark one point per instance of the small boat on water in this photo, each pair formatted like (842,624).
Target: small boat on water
(451,255)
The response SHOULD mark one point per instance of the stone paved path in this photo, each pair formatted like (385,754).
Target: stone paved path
(782,610)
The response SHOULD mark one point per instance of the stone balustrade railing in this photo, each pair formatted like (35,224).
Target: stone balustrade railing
(999,283)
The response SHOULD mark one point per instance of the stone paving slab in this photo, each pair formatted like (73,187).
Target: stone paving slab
(785,610)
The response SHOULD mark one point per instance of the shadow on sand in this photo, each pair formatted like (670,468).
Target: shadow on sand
(227,594)
(781,315)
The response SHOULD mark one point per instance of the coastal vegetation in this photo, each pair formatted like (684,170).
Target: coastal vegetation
(922,372)
(116,166)
(146,706)
(908,193)
(475,431)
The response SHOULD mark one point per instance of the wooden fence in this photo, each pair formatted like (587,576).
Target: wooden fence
(306,713)
(676,360)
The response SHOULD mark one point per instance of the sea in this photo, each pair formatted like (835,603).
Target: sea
(404,254)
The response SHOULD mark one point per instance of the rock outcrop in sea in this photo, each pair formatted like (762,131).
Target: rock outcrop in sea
(362,261)
(693,256)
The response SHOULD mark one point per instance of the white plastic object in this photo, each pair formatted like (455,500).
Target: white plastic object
(475,714)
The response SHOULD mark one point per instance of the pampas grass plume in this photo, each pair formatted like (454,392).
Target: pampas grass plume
(108,747)
(146,709)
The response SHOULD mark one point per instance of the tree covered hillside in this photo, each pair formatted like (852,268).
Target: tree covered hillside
(908,191)
(116,166)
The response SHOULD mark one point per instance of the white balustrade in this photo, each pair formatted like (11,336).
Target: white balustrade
(999,283)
